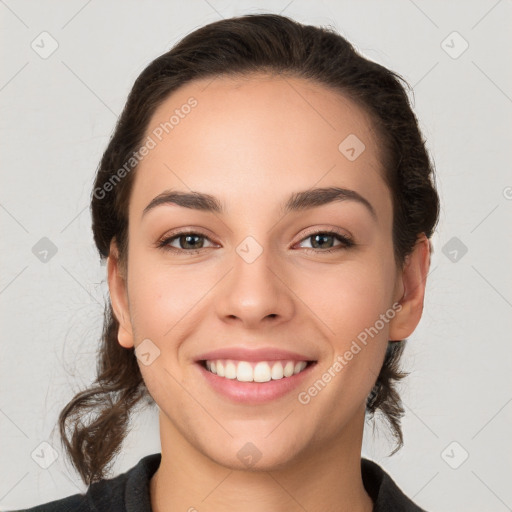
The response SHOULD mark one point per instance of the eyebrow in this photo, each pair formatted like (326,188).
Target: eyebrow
(298,201)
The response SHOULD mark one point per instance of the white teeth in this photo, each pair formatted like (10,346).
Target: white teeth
(277,371)
(230,370)
(298,367)
(263,371)
(288,369)
(244,372)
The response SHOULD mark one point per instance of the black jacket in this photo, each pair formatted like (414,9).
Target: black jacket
(129,492)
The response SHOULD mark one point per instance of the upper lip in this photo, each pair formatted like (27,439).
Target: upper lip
(259,354)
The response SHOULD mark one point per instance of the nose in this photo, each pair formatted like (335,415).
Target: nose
(257,292)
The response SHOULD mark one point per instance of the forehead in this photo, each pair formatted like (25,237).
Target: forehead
(258,137)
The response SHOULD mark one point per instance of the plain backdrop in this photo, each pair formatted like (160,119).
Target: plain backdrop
(66,70)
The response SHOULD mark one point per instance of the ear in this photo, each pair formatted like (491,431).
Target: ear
(410,290)
(119,296)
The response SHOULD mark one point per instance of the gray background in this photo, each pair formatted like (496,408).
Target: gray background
(56,117)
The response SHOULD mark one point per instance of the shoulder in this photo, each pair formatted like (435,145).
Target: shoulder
(128,491)
(100,496)
(383,490)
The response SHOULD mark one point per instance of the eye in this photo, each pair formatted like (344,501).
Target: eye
(323,241)
(188,241)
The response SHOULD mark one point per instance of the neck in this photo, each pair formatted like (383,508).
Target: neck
(326,478)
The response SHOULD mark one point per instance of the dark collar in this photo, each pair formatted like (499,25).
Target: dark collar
(386,495)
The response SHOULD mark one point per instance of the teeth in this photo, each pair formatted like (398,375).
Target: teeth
(262,371)
(230,370)
(244,372)
(277,372)
(288,369)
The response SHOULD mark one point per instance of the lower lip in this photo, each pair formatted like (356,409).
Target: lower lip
(255,392)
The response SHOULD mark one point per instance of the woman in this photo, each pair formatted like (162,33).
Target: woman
(266,205)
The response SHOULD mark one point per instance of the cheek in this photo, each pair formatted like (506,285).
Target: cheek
(163,301)
(352,301)
(349,297)
(163,297)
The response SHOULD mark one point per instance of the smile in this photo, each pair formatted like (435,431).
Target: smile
(254,382)
(254,371)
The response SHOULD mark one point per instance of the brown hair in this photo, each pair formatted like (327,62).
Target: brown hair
(240,46)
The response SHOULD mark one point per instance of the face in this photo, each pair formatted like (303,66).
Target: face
(261,273)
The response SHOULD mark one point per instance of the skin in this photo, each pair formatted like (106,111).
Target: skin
(280,135)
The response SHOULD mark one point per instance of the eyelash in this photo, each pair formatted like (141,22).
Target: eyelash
(346,241)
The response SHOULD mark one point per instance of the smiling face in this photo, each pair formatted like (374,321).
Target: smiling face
(259,268)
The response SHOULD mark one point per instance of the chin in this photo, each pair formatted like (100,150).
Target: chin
(255,456)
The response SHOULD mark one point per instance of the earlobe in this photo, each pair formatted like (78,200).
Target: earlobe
(119,296)
(413,282)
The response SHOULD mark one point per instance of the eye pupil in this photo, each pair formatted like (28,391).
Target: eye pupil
(320,236)
(187,238)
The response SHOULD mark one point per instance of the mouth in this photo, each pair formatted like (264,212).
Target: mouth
(254,382)
(255,371)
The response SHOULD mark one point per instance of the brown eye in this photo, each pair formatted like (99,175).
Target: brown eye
(187,242)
